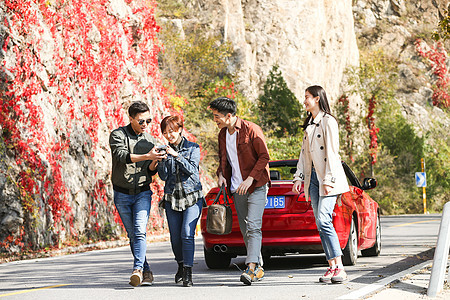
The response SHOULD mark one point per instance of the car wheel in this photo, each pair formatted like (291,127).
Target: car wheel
(376,248)
(216,260)
(350,252)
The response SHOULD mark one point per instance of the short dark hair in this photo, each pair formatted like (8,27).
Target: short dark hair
(137,107)
(224,105)
(173,122)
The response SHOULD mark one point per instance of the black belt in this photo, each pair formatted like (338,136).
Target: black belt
(132,191)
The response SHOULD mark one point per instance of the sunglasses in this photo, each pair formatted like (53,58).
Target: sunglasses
(142,121)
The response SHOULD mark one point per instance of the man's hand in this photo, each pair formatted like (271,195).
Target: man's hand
(297,186)
(243,187)
(221,180)
(155,155)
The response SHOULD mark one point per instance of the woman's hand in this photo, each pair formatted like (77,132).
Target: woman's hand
(153,165)
(297,186)
(171,151)
(327,189)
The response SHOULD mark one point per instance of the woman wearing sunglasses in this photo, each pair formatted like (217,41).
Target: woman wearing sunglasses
(183,198)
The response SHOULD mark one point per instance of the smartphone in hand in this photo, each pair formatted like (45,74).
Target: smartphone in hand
(161,149)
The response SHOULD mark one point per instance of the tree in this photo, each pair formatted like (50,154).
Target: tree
(375,80)
(280,110)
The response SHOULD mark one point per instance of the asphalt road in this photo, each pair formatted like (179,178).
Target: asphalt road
(406,241)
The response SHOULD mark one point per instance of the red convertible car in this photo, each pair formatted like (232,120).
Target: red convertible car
(289,225)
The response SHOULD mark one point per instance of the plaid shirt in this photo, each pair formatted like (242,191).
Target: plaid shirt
(179,200)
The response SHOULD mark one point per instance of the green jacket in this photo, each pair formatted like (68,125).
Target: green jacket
(128,177)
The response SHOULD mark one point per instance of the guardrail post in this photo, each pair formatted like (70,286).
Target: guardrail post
(440,254)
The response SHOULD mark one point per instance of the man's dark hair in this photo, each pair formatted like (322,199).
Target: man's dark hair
(137,108)
(224,105)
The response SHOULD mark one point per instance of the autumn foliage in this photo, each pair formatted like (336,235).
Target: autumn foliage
(437,56)
(90,54)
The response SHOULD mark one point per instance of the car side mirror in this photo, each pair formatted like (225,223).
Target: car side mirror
(369,183)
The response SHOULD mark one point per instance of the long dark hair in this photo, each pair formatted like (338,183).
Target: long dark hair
(316,90)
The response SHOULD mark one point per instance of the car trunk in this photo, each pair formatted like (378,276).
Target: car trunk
(297,215)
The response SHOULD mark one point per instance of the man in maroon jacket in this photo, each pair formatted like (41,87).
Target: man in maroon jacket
(244,169)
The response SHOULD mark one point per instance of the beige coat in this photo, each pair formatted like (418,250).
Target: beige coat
(321,147)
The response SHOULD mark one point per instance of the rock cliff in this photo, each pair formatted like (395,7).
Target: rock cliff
(69,70)
(312,41)
(394,26)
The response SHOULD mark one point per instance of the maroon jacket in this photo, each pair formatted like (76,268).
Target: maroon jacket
(252,152)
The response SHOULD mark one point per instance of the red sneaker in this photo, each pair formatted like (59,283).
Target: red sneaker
(339,276)
(327,276)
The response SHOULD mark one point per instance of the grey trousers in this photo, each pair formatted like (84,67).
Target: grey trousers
(250,209)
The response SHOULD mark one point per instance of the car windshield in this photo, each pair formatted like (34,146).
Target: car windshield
(285,170)
(353,180)
(282,170)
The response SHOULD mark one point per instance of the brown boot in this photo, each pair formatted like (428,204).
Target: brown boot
(147,278)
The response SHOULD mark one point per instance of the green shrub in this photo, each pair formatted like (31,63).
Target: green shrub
(199,120)
(437,163)
(171,9)
(287,147)
(443,30)
(192,60)
(194,65)
(280,111)
(400,148)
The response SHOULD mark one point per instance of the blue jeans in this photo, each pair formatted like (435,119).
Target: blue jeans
(250,209)
(134,211)
(182,231)
(323,207)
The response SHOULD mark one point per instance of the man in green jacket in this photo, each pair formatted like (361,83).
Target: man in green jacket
(134,161)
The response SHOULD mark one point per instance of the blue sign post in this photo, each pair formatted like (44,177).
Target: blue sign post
(421,179)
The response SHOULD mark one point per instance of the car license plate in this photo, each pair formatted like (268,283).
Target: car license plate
(275,202)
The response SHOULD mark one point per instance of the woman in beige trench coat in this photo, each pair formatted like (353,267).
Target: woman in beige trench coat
(319,167)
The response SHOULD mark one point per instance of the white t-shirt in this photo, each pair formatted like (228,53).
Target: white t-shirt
(236,176)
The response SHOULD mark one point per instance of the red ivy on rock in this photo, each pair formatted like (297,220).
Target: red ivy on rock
(437,57)
(345,104)
(93,55)
(373,130)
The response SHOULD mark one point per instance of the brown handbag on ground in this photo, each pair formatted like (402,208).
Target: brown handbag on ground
(219,218)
